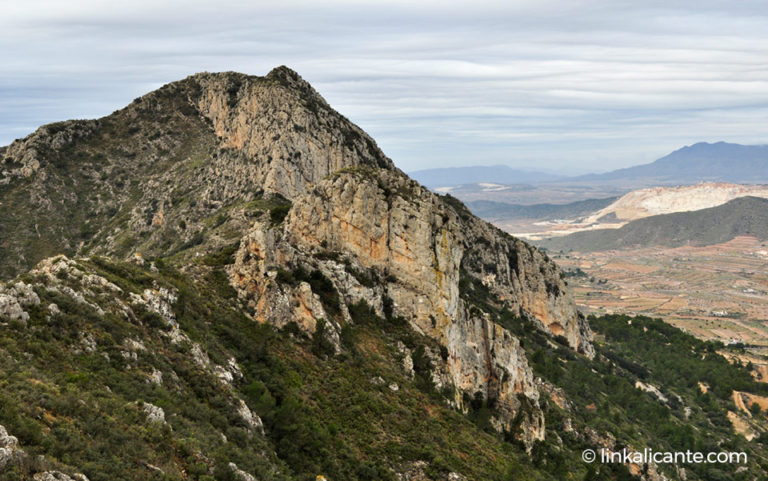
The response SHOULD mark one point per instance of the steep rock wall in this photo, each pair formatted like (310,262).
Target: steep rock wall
(390,223)
(420,249)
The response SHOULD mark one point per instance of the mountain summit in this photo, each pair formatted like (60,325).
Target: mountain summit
(147,178)
(313,222)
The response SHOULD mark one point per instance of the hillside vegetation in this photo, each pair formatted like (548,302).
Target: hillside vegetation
(77,380)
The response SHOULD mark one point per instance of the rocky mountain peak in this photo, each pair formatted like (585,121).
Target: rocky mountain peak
(307,205)
(147,176)
(291,79)
(251,288)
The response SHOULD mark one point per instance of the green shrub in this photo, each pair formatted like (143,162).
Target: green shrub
(278,214)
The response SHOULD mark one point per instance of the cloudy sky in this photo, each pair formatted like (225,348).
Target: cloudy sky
(565,86)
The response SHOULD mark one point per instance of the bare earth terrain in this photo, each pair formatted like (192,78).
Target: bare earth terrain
(714,292)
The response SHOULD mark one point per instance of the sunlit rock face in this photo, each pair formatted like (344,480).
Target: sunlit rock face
(422,252)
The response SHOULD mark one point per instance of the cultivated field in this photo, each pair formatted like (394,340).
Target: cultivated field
(714,292)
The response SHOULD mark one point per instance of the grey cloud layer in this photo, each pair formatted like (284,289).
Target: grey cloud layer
(574,85)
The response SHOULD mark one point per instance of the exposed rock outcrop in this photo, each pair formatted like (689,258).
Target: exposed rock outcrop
(14,299)
(11,453)
(424,253)
(416,471)
(390,223)
(293,136)
(9,448)
(240,474)
(58,476)
(155,414)
(608,445)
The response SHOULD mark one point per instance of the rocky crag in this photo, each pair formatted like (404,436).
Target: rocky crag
(362,224)
(189,163)
(147,180)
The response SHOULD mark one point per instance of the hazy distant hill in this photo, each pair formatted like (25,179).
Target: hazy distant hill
(498,174)
(701,162)
(742,216)
(500,210)
(721,161)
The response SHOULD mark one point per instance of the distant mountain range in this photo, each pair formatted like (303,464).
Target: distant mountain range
(718,162)
(701,162)
(741,216)
(497,174)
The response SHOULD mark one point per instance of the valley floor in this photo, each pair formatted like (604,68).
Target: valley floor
(714,292)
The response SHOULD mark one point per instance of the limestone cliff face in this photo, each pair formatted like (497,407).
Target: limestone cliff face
(390,223)
(292,135)
(486,358)
(424,252)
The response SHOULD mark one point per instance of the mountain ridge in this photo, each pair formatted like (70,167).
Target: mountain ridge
(699,162)
(234,160)
(220,133)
